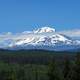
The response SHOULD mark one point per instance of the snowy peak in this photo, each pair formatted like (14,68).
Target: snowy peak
(52,39)
(44,30)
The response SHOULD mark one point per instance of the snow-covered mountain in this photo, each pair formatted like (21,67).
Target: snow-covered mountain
(43,38)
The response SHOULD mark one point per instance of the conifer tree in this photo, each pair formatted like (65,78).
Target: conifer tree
(76,69)
(67,69)
(53,71)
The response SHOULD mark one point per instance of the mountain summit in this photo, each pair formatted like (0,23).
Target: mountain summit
(44,30)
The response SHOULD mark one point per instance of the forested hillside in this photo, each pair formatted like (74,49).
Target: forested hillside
(39,65)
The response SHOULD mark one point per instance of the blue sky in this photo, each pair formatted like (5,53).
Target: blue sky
(22,15)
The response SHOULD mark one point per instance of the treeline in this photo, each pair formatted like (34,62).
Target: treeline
(33,56)
(39,65)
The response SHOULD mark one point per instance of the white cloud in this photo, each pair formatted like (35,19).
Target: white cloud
(71,33)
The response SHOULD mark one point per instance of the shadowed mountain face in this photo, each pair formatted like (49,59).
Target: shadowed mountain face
(44,38)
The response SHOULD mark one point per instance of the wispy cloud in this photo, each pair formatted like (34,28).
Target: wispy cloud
(71,33)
